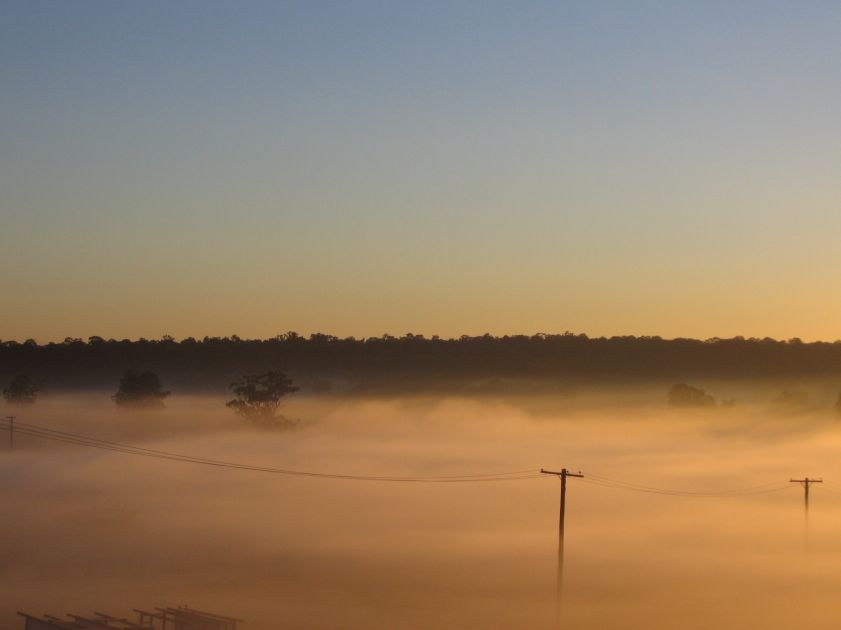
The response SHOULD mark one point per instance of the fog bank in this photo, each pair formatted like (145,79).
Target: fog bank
(86,529)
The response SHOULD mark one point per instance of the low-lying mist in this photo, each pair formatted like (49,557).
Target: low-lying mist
(87,529)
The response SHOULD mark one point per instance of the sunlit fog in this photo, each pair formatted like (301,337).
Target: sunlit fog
(87,529)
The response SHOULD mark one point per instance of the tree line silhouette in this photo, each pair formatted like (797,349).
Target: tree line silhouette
(414,361)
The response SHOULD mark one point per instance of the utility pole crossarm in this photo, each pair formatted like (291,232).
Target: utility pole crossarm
(560,472)
(806,482)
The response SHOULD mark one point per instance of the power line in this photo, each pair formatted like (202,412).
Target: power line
(616,484)
(832,487)
(46,433)
(686,494)
(55,435)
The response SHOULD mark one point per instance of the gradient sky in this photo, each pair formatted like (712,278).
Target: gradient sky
(359,168)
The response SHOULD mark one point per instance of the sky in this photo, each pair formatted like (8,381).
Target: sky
(361,168)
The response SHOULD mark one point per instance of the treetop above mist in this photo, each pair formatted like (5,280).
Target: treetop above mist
(257,398)
(140,389)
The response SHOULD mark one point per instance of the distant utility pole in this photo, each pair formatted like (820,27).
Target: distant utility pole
(11,420)
(562,475)
(806,482)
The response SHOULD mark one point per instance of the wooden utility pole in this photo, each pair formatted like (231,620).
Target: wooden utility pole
(806,482)
(562,475)
(11,420)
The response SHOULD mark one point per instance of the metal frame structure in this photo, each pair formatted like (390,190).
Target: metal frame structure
(181,618)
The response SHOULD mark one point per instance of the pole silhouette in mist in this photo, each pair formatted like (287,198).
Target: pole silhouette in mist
(806,482)
(11,420)
(562,475)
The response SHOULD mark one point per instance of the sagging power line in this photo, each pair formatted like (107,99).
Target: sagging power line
(45,433)
(49,434)
(617,484)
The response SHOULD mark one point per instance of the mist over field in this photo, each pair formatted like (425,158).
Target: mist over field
(87,529)
(301,296)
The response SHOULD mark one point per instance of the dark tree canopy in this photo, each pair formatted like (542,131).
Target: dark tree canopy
(140,389)
(412,361)
(258,397)
(683,395)
(22,389)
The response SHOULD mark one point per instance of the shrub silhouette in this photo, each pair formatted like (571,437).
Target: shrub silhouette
(140,389)
(683,395)
(22,389)
(258,397)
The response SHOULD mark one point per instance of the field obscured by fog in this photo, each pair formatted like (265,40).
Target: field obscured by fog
(87,530)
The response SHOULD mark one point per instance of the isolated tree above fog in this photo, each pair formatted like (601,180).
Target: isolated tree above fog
(258,397)
(140,389)
(683,395)
(22,389)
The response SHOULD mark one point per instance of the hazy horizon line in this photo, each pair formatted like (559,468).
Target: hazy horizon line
(406,335)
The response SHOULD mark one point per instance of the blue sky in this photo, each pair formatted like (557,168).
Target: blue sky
(202,168)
